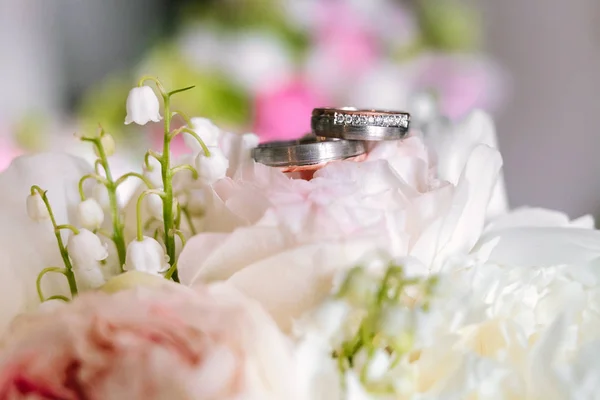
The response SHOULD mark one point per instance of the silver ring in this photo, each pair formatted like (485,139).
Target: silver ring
(353,124)
(309,150)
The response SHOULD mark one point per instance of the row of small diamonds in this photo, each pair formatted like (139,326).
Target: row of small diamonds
(372,120)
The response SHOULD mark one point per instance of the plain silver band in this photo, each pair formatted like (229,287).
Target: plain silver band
(324,123)
(306,152)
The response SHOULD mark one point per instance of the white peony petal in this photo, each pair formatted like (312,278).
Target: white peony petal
(26,247)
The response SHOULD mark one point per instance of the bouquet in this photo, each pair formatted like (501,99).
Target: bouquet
(400,276)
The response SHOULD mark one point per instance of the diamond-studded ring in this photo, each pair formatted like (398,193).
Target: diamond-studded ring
(310,150)
(354,124)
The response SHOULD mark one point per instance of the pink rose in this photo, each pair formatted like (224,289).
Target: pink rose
(284,113)
(164,343)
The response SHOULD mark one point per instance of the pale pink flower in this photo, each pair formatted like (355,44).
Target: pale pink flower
(283,113)
(8,152)
(263,226)
(161,343)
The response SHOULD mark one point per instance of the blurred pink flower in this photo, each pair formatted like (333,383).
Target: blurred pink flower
(463,83)
(283,113)
(345,47)
(8,152)
(346,37)
(167,343)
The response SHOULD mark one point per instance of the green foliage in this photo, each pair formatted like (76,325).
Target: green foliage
(449,25)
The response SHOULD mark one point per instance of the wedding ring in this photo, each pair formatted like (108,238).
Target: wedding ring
(309,150)
(353,124)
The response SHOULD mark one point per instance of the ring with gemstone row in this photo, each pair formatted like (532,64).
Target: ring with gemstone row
(309,150)
(354,124)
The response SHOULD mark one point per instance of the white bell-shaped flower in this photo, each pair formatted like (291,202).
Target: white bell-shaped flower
(86,251)
(211,169)
(153,172)
(36,209)
(208,132)
(90,214)
(146,255)
(142,106)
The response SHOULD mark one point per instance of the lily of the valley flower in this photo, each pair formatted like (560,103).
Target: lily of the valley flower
(146,255)
(86,251)
(36,209)
(90,214)
(152,171)
(208,132)
(142,106)
(26,247)
(211,169)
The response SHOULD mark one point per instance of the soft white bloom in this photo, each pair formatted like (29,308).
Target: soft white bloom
(211,169)
(36,209)
(423,109)
(153,172)
(142,106)
(86,251)
(28,247)
(154,206)
(208,132)
(100,194)
(299,234)
(146,255)
(326,320)
(90,214)
(108,143)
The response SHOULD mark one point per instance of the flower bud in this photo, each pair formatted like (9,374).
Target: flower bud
(207,131)
(153,172)
(85,247)
(211,169)
(142,106)
(146,255)
(108,143)
(90,214)
(100,194)
(154,206)
(36,209)
(86,251)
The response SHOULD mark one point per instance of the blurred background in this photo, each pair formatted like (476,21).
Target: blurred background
(68,64)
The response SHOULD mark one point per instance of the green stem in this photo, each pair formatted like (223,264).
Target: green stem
(168,217)
(185,117)
(138,210)
(134,175)
(38,282)
(183,167)
(63,251)
(188,218)
(111,187)
(195,135)
(151,153)
(69,227)
(85,178)
(58,297)
(181,236)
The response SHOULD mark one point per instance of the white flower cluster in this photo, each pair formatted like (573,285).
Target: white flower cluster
(402,276)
